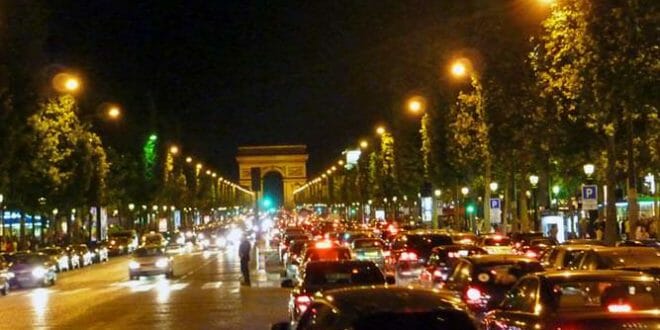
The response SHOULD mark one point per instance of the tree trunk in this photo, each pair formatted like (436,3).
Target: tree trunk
(522,211)
(611,233)
(486,202)
(507,206)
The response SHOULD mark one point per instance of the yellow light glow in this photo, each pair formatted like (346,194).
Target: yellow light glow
(199,166)
(340,162)
(380,130)
(364,144)
(174,150)
(114,112)
(458,69)
(72,84)
(188,159)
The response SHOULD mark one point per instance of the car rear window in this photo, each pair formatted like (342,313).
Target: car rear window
(426,241)
(368,243)
(343,274)
(328,254)
(598,294)
(504,241)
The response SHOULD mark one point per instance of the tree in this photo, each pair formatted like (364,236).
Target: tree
(598,61)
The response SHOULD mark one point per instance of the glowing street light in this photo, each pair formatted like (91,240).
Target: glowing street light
(589,169)
(364,144)
(114,112)
(174,150)
(416,104)
(188,159)
(437,193)
(534,180)
(493,186)
(465,191)
(380,130)
(459,69)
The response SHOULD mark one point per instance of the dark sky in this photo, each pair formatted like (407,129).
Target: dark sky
(213,75)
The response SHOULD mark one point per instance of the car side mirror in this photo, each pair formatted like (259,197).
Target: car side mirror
(281,326)
(287,283)
(390,279)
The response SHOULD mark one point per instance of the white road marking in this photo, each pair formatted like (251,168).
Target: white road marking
(211,285)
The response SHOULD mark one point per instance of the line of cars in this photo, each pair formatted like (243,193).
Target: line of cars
(521,281)
(40,268)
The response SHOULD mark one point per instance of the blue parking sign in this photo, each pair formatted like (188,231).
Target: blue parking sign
(495,203)
(590,197)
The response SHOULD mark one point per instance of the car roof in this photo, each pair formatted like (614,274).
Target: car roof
(457,247)
(389,298)
(489,258)
(577,247)
(322,263)
(606,274)
(426,232)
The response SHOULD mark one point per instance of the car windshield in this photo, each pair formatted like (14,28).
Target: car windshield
(504,273)
(617,259)
(328,254)
(601,293)
(427,241)
(368,243)
(29,259)
(148,252)
(343,274)
(497,241)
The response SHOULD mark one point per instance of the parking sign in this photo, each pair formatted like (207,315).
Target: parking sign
(589,197)
(495,203)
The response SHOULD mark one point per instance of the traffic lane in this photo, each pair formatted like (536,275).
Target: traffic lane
(76,294)
(207,295)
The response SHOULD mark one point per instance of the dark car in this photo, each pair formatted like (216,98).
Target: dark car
(538,247)
(325,275)
(584,241)
(604,300)
(411,250)
(33,269)
(442,261)
(483,280)
(58,256)
(383,308)
(564,257)
(118,246)
(645,259)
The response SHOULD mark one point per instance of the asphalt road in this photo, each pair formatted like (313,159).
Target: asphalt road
(204,294)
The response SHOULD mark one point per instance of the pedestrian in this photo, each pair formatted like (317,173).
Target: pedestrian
(599,232)
(244,253)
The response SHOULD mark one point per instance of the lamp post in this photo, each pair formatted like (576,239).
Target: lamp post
(534,181)
(589,170)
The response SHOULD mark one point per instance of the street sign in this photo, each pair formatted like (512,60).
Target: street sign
(495,203)
(589,197)
(495,210)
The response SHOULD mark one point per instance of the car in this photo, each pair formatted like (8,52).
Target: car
(118,246)
(325,275)
(86,256)
(537,247)
(293,257)
(496,244)
(483,280)
(348,237)
(584,241)
(58,256)
(640,242)
(410,251)
(288,237)
(564,257)
(579,300)
(373,249)
(442,261)
(75,259)
(127,239)
(148,261)
(464,238)
(382,307)
(214,242)
(645,259)
(153,239)
(520,239)
(33,269)
(99,251)
(5,276)
(174,248)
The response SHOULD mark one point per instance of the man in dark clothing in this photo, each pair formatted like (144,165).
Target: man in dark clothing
(244,254)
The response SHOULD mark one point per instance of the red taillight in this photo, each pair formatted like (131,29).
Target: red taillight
(386,254)
(473,294)
(619,308)
(437,273)
(302,302)
(408,256)
(531,254)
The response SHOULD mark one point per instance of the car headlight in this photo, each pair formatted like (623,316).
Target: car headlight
(39,272)
(133,265)
(162,263)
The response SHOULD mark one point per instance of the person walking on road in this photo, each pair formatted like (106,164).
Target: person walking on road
(244,254)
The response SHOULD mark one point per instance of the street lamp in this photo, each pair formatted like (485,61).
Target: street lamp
(380,130)
(459,68)
(66,82)
(493,186)
(174,150)
(416,104)
(534,181)
(589,169)
(189,160)
(465,191)
(364,144)
(437,193)
(114,112)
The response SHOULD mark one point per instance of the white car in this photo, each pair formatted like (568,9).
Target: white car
(150,260)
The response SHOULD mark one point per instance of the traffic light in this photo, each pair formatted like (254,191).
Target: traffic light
(470,209)
(266,202)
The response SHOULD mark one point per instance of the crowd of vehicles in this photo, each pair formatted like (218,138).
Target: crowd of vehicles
(349,277)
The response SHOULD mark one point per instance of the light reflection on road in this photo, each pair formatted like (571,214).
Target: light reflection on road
(39,299)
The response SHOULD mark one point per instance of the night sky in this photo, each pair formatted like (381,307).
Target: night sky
(213,75)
